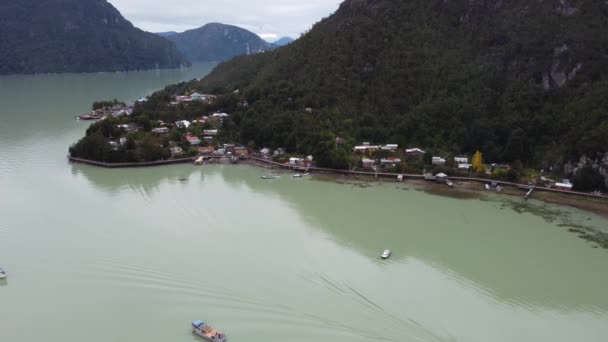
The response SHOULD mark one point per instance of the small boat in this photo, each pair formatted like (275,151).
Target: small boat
(300,175)
(270,177)
(449,183)
(386,254)
(182,179)
(199,161)
(203,330)
(2,274)
(487,186)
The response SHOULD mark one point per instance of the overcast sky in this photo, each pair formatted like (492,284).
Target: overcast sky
(270,19)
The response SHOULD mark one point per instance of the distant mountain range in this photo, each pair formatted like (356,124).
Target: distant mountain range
(166,34)
(217,42)
(77,36)
(284,41)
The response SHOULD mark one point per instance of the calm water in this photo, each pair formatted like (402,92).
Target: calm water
(135,255)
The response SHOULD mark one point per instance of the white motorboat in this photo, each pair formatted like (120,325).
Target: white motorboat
(2,274)
(270,177)
(300,175)
(205,331)
(386,254)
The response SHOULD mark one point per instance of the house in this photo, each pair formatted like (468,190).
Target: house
(366,148)
(465,166)
(122,141)
(206,150)
(229,147)
(182,124)
(390,147)
(308,110)
(368,163)
(461,160)
(241,152)
(176,150)
(265,151)
(193,140)
(160,130)
(390,161)
(220,115)
(564,185)
(438,161)
(414,153)
(210,132)
(208,138)
(183,99)
(296,161)
(198,97)
(279,151)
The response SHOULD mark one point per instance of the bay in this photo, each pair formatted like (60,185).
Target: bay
(136,254)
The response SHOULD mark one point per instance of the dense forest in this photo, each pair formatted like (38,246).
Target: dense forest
(47,36)
(518,80)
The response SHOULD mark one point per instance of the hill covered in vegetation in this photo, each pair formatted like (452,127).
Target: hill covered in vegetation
(49,36)
(519,80)
(218,42)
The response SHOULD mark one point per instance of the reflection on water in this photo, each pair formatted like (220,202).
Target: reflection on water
(472,240)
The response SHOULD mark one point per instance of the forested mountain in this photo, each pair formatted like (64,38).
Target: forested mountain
(284,41)
(41,36)
(218,42)
(516,79)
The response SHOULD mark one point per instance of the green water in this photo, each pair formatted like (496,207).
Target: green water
(135,255)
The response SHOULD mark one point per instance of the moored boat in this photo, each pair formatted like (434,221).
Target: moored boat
(386,254)
(205,331)
(2,274)
(269,177)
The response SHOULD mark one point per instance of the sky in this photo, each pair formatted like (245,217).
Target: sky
(270,19)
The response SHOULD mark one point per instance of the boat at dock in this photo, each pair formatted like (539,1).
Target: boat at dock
(386,254)
(205,331)
(89,117)
(268,177)
(2,273)
(301,175)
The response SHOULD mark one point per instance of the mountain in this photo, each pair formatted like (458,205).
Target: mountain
(42,36)
(218,42)
(518,80)
(166,34)
(284,41)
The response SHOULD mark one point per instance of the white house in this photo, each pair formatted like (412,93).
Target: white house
(210,132)
(438,161)
(296,161)
(390,147)
(414,152)
(465,166)
(461,160)
(182,124)
(160,130)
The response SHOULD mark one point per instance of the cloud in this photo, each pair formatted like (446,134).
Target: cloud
(263,17)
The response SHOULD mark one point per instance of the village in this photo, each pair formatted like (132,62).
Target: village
(201,140)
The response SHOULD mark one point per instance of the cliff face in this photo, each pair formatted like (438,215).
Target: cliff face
(41,36)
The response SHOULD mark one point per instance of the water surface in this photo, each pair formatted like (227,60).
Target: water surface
(135,255)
